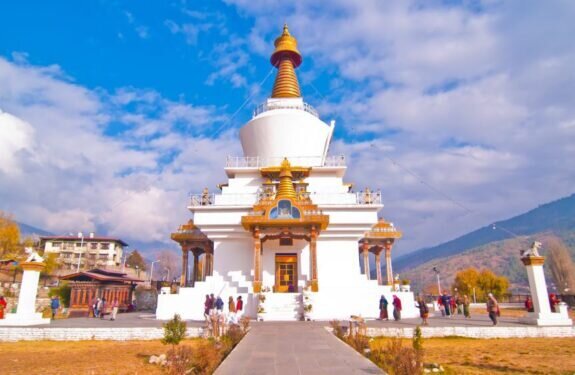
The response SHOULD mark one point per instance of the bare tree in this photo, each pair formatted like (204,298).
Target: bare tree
(169,264)
(561,265)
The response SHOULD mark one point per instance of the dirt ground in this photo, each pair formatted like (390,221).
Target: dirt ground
(83,357)
(500,356)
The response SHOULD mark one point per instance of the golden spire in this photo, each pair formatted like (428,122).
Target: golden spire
(286,189)
(286,58)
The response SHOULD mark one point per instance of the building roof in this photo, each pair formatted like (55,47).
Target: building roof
(86,239)
(98,274)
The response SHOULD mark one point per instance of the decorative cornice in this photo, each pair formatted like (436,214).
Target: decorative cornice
(533,260)
(33,266)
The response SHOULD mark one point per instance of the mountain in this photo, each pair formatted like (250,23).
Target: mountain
(501,257)
(30,231)
(557,217)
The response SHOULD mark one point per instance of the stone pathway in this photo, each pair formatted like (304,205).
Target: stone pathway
(294,348)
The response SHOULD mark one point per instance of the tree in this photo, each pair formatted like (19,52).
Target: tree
(9,236)
(52,264)
(483,282)
(561,265)
(169,264)
(136,259)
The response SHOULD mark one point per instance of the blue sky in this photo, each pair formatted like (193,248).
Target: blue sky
(460,111)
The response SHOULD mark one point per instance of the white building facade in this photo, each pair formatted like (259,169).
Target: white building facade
(81,251)
(286,231)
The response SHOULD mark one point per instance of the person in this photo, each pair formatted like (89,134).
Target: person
(492,308)
(553,301)
(239,307)
(529,304)
(3,305)
(459,304)
(115,306)
(446,303)
(396,308)
(453,307)
(383,308)
(466,304)
(232,310)
(423,311)
(54,305)
(440,305)
(96,307)
(207,306)
(212,303)
(219,305)
(102,308)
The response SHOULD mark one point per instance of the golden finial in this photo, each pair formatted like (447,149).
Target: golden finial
(285,188)
(286,58)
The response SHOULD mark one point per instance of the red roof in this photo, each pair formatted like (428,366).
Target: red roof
(86,239)
(100,275)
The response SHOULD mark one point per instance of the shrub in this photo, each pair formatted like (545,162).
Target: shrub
(337,328)
(399,360)
(359,342)
(174,331)
(206,358)
(245,323)
(180,359)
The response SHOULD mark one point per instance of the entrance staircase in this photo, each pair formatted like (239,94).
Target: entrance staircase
(282,306)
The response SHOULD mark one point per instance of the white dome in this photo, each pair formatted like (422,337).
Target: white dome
(286,128)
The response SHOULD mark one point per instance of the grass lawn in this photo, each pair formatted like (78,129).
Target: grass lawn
(499,356)
(81,357)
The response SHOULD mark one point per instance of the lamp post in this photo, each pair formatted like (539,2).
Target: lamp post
(438,283)
(168,277)
(152,270)
(80,255)
(138,270)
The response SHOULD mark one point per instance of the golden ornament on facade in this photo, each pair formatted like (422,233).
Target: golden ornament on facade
(286,58)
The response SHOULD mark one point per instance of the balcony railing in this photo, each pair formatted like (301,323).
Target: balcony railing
(264,107)
(359,198)
(258,162)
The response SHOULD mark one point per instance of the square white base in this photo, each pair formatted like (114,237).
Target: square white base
(27,320)
(551,319)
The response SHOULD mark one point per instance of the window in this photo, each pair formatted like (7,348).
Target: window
(79,244)
(56,245)
(105,246)
(93,245)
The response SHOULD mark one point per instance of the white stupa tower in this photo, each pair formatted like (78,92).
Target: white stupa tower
(286,224)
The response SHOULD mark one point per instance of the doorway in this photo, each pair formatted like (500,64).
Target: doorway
(286,273)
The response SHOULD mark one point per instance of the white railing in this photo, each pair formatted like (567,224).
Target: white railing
(258,162)
(264,107)
(211,199)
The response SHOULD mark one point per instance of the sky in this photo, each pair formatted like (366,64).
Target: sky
(461,112)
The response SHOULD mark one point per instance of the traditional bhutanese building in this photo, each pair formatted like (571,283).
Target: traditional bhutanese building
(286,223)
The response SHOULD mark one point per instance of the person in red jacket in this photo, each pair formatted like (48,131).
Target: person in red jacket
(529,304)
(3,305)
(239,307)
(396,308)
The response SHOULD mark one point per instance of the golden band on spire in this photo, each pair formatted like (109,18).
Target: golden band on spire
(286,58)
(285,188)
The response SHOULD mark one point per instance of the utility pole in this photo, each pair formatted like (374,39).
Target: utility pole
(438,282)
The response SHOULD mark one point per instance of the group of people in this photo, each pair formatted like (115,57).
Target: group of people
(383,303)
(450,306)
(99,308)
(215,306)
(553,302)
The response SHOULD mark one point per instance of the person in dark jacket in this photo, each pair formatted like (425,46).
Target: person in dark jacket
(55,305)
(446,303)
(383,308)
(423,311)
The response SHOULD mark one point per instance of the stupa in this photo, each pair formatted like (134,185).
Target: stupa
(286,224)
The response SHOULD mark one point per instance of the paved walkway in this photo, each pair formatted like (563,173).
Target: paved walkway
(287,348)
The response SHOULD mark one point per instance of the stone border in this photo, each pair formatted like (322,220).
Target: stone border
(77,334)
(475,332)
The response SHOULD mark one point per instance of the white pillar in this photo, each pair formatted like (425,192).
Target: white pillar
(542,315)
(26,312)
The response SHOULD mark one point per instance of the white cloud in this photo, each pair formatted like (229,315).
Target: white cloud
(60,171)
